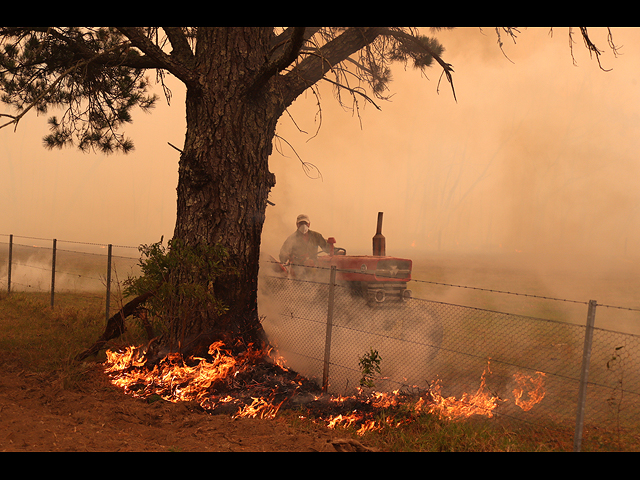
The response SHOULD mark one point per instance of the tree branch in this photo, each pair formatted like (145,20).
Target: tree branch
(291,51)
(282,61)
(354,92)
(593,49)
(81,51)
(115,326)
(16,119)
(167,62)
(316,65)
(415,44)
(181,48)
(281,40)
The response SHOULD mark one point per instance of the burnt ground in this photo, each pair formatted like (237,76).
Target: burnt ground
(38,415)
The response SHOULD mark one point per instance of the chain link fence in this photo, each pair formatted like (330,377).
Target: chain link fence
(576,372)
(534,367)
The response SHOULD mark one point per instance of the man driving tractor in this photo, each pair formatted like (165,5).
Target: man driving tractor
(302,247)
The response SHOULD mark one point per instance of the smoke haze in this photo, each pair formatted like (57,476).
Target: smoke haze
(536,156)
(537,160)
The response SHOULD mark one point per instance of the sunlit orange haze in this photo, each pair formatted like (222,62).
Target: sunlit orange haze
(537,156)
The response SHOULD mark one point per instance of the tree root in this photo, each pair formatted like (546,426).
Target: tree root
(115,327)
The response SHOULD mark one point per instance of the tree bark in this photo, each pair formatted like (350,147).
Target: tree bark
(225,168)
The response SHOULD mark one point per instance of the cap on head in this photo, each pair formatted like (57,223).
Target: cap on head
(303,219)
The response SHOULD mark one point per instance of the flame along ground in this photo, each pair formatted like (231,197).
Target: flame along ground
(250,387)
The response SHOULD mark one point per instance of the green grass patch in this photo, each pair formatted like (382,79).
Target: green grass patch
(44,341)
(405,432)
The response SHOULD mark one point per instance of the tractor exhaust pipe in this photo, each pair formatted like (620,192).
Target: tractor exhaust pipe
(379,242)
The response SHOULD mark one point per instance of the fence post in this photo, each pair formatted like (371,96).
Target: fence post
(109,262)
(10,262)
(53,274)
(327,351)
(584,380)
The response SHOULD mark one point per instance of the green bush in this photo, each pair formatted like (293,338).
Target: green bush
(370,365)
(182,279)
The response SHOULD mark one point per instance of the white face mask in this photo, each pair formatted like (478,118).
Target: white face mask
(303,229)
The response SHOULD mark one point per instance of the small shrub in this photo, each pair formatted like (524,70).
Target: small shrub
(182,278)
(370,365)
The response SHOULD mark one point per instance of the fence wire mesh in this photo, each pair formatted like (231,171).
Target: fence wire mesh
(80,268)
(614,381)
(533,366)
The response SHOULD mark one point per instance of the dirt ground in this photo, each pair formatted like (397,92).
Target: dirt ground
(37,415)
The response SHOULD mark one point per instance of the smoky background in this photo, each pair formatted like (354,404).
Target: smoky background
(529,181)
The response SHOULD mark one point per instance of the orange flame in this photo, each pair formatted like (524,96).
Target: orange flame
(172,380)
(176,381)
(535,388)
(260,408)
(369,426)
(343,421)
(348,421)
(482,403)
(386,400)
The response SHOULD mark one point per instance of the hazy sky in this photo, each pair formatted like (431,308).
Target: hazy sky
(537,155)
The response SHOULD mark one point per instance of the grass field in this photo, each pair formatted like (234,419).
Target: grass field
(44,340)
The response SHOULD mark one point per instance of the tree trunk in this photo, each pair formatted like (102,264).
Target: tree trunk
(225,168)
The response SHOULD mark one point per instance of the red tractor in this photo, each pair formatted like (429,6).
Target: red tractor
(378,278)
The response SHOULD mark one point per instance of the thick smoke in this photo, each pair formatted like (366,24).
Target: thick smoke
(532,173)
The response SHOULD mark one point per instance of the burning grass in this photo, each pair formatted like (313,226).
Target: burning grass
(258,385)
(252,385)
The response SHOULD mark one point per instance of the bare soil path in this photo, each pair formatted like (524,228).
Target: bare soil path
(37,415)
